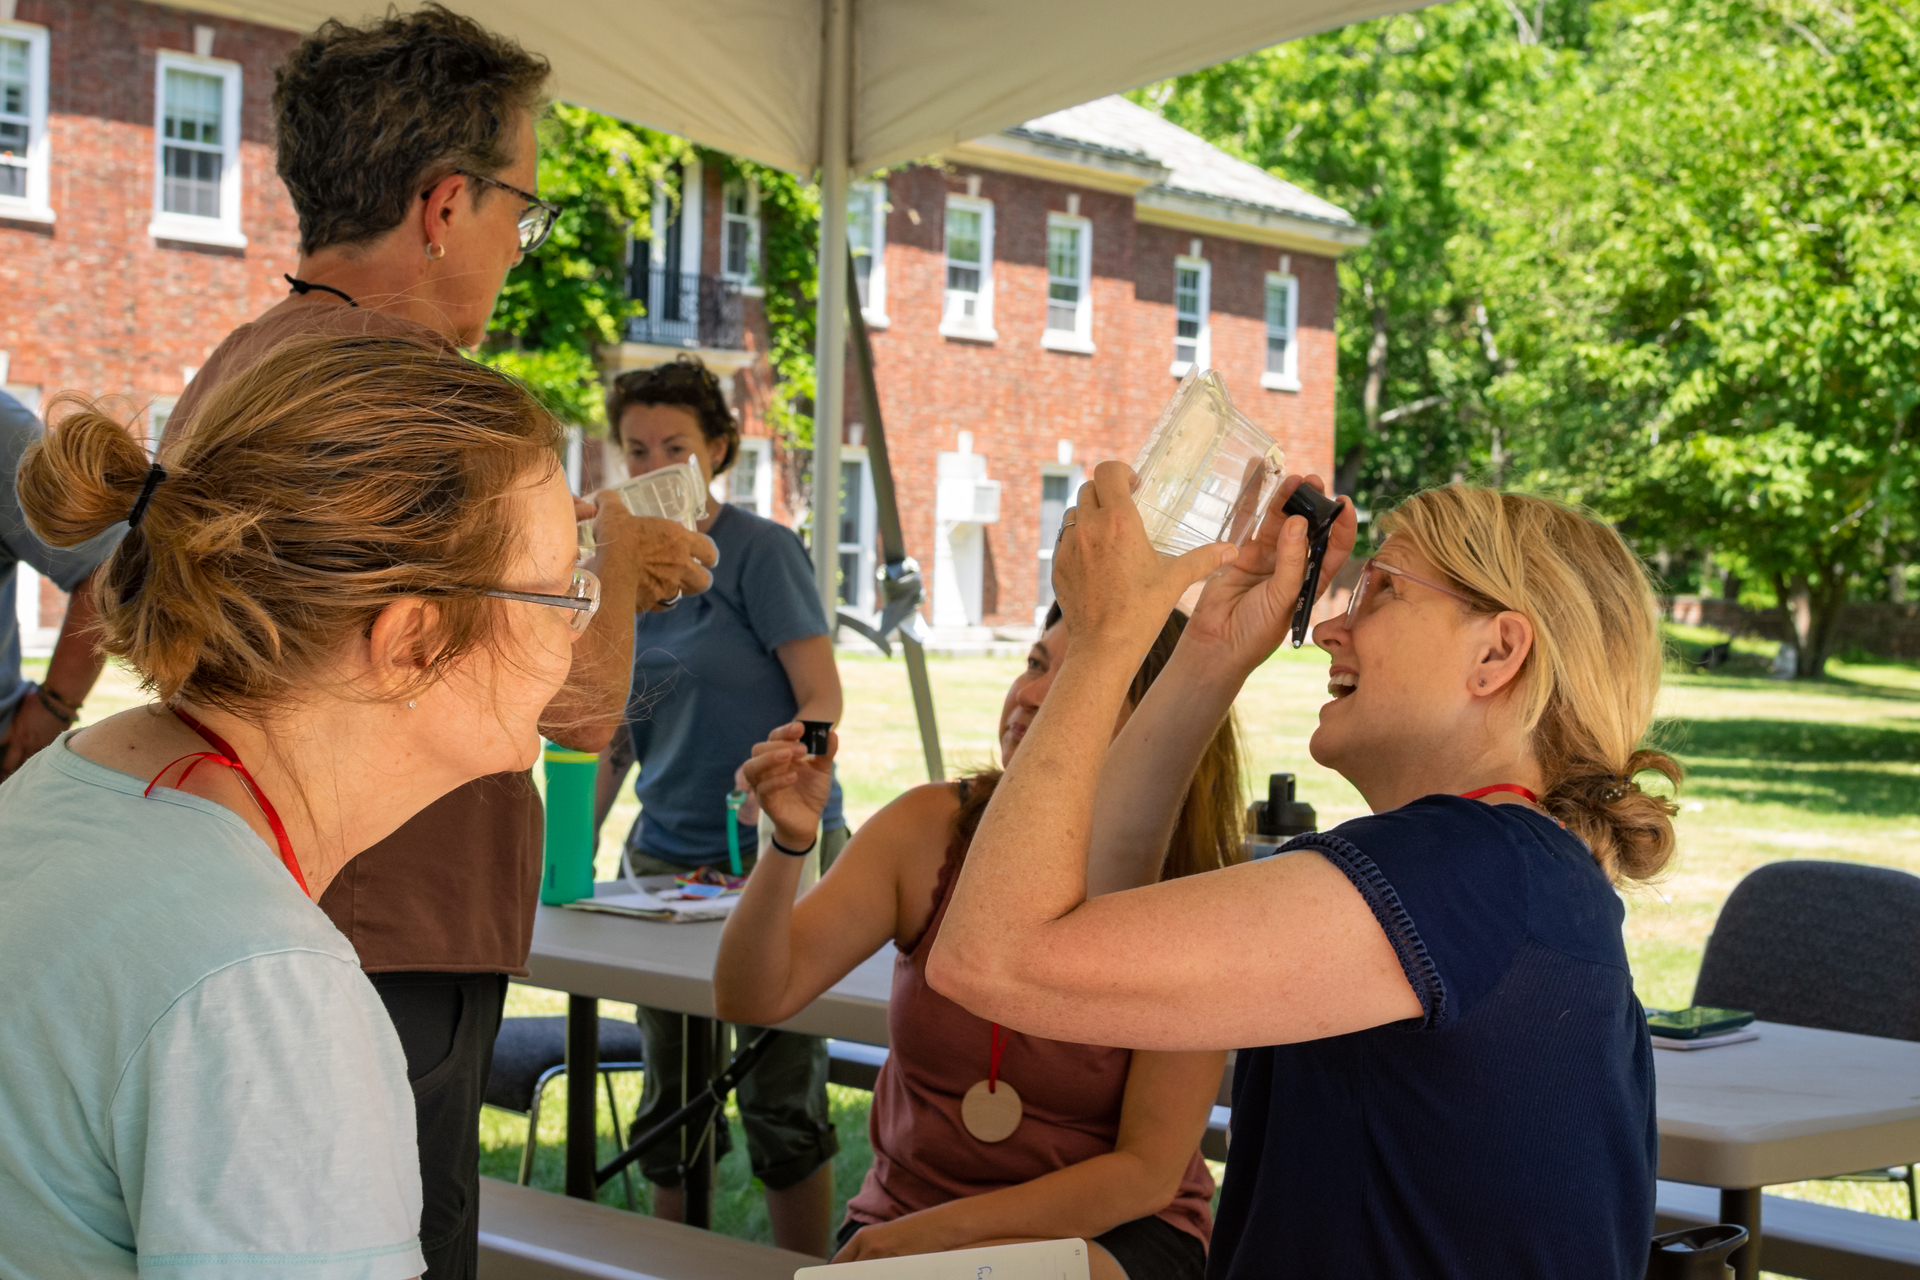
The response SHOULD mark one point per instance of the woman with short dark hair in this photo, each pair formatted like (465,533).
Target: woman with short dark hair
(712,676)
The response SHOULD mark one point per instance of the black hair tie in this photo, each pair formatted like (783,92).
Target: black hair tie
(155,474)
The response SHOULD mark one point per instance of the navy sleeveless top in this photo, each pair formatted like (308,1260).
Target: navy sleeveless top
(1509,1131)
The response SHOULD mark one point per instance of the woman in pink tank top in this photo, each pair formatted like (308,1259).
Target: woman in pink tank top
(981,1135)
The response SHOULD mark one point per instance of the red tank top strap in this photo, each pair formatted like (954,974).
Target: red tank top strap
(956,855)
(224,755)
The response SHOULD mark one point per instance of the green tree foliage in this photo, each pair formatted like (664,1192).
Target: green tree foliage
(1704,254)
(1378,117)
(571,297)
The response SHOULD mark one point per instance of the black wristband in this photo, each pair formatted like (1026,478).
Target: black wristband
(793,853)
(48,698)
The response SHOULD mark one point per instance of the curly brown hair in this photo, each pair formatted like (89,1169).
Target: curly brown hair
(365,117)
(687,383)
(316,486)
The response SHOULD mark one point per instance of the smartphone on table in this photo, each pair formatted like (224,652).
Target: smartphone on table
(1696,1022)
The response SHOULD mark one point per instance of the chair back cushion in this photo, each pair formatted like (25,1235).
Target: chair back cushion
(1831,945)
(527,1048)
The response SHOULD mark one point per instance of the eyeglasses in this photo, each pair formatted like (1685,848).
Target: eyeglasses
(1360,591)
(583,598)
(536,220)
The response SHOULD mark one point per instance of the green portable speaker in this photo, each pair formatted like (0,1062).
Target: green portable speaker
(568,874)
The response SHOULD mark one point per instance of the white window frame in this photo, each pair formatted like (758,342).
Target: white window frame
(749,280)
(874,310)
(225,229)
(1075,477)
(1288,377)
(159,413)
(980,329)
(1203,344)
(1080,337)
(761,501)
(862,604)
(36,205)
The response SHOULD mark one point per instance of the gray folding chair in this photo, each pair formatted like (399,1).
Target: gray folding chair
(529,1052)
(1830,945)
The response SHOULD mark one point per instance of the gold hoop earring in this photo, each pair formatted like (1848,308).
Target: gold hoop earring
(436,251)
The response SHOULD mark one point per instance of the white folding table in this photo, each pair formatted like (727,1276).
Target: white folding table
(1792,1105)
(593,956)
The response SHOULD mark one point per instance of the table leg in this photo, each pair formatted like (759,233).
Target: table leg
(1741,1206)
(697,1066)
(583,1070)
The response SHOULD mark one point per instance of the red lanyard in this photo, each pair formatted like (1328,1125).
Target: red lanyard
(1514,787)
(997,1041)
(223,754)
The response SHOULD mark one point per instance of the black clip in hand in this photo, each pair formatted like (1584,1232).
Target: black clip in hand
(1320,512)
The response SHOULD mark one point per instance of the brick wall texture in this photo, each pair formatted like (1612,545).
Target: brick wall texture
(94,304)
(1020,400)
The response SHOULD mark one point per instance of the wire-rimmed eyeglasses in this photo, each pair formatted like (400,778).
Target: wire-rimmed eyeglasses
(583,598)
(535,221)
(1361,591)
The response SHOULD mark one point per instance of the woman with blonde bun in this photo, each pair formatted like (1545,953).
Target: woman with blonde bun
(1457,1080)
(351,589)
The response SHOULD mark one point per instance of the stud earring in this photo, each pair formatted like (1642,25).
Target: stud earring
(436,251)
(414,702)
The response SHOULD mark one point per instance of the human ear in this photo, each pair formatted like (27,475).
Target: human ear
(1503,652)
(403,642)
(441,207)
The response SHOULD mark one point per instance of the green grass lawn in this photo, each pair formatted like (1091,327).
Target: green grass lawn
(1776,769)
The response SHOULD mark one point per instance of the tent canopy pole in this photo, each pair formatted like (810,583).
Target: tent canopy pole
(830,351)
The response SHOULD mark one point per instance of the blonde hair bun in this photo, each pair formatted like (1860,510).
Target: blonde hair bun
(1589,684)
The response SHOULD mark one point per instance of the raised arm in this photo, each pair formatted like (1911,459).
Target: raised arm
(641,562)
(1277,951)
(1239,619)
(778,956)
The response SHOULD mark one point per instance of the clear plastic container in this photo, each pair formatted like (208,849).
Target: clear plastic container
(1206,473)
(677,493)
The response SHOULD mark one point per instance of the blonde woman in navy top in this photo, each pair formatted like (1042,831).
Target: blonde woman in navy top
(1457,1080)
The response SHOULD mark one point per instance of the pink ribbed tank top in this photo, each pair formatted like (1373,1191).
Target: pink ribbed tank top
(923,1155)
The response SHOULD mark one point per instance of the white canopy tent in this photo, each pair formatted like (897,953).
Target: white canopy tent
(848,86)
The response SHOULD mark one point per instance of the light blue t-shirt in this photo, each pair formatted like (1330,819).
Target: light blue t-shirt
(196,1080)
(707,686)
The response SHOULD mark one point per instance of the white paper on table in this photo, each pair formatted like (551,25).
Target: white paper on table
(1034,1260)
(652,900)
(1707,1042)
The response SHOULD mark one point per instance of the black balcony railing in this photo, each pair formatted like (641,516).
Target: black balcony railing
(685,310)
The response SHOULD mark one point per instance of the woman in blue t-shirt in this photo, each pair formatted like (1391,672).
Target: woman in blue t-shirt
(1458,1080)
(712,676)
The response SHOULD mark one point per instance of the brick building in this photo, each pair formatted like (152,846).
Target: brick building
(1034,298)
(140,218)
(1034,295)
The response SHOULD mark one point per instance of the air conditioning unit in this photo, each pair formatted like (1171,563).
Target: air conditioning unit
(964,495)
(966,501)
